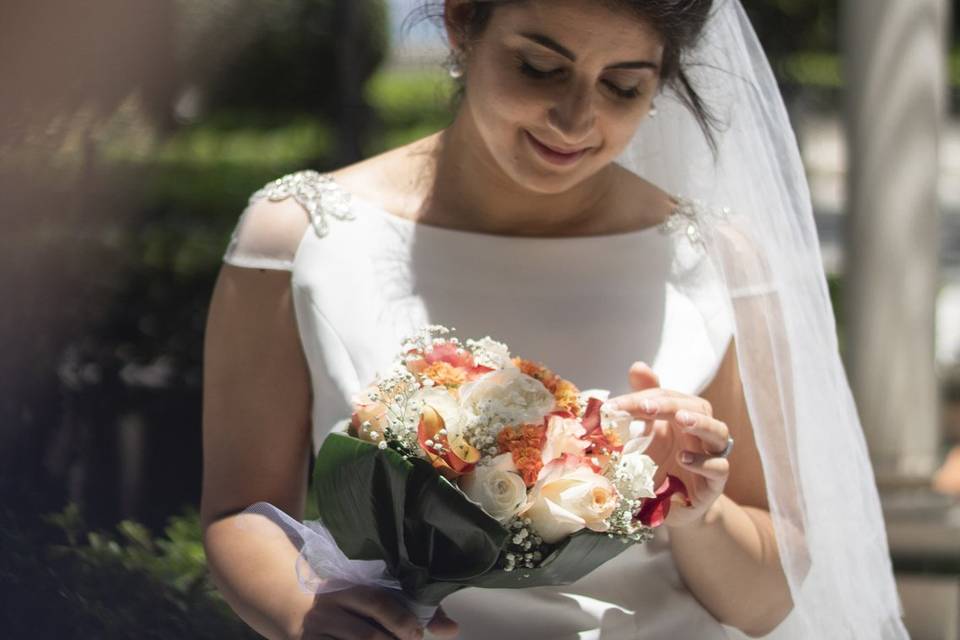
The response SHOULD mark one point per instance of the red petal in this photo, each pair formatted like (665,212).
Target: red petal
(475,372)
(654,511)
(563,413)
(591,421)
(591,416)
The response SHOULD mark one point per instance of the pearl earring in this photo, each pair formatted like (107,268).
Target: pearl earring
(653,111)
(454,65)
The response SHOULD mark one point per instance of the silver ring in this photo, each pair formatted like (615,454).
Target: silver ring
(726,451)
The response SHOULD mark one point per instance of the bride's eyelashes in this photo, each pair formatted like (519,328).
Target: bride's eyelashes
(546,74)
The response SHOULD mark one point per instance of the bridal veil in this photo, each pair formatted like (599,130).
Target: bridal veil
(820,484)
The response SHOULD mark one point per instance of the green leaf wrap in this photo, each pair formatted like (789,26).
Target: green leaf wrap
(378,505)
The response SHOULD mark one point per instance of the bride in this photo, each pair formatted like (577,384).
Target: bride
(618,196)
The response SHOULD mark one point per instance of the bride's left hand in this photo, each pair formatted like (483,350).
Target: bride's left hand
(683,425)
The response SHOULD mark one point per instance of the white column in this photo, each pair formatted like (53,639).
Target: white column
(895,72)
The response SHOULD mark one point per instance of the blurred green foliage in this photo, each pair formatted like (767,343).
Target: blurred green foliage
(67,582)
(787,26)
(289,60)
(409,104)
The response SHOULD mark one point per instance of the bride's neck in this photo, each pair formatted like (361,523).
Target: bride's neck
(471,191)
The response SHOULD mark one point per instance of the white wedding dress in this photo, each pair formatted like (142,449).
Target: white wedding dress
(588,307)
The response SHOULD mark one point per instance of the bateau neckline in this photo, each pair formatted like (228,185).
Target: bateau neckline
(660,227)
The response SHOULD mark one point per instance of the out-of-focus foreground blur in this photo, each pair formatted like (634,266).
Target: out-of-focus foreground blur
(131,135)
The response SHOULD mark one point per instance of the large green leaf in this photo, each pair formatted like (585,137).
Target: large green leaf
(577,556)
(379,505)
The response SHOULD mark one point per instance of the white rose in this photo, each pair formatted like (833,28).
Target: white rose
(497,489)
(563,436)
(568,498)
(510,393)
(634,475)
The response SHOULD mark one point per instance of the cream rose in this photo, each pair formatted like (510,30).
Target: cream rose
(499,490)
(563,436)
(513,395)
(568,498)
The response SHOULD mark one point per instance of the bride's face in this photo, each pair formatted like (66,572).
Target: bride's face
(557,88)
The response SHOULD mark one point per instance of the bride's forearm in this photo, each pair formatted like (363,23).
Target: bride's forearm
(253,569)
(731,564)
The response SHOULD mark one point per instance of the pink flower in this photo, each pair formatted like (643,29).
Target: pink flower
(371,412)
(447,352)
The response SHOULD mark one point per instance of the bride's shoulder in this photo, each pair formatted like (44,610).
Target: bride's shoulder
(392,180)
(279,213)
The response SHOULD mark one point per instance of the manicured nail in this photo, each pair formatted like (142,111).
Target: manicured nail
(685,417)
(648,406)
(686,457)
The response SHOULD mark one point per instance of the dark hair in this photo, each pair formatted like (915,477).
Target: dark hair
(679,22)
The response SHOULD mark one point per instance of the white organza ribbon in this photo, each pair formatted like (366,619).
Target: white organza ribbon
(321,567)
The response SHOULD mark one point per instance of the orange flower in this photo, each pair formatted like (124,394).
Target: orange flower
(525,444)
(565,392)
(458,457)
(567,395)
(613,438)
(444,373)
(536,370)
(528,462)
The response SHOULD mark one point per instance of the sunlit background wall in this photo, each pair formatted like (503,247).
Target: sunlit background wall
(131,134)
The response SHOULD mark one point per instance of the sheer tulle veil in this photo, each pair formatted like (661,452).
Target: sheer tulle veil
(821,488)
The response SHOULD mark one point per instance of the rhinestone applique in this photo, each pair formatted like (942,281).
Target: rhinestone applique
(317,193)
(687,218)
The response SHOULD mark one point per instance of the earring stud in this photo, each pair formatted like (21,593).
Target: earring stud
(653,111)
(455,64)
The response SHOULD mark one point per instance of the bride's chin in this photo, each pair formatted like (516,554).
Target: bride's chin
(548,183)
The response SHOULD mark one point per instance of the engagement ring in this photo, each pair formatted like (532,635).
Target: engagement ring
(726,451)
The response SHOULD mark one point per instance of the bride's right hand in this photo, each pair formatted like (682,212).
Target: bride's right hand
(367,613)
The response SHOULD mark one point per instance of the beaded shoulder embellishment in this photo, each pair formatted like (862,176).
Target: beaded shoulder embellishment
(688,217)
(317,193)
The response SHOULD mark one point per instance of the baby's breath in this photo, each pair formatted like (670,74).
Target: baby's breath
(524,548)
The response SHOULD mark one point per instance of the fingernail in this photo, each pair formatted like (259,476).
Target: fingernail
(685,417)
(648,406)
(686,457)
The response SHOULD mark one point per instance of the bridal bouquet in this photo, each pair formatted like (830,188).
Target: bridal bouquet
(464,466)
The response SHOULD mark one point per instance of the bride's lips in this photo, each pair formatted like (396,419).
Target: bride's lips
(551,154)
